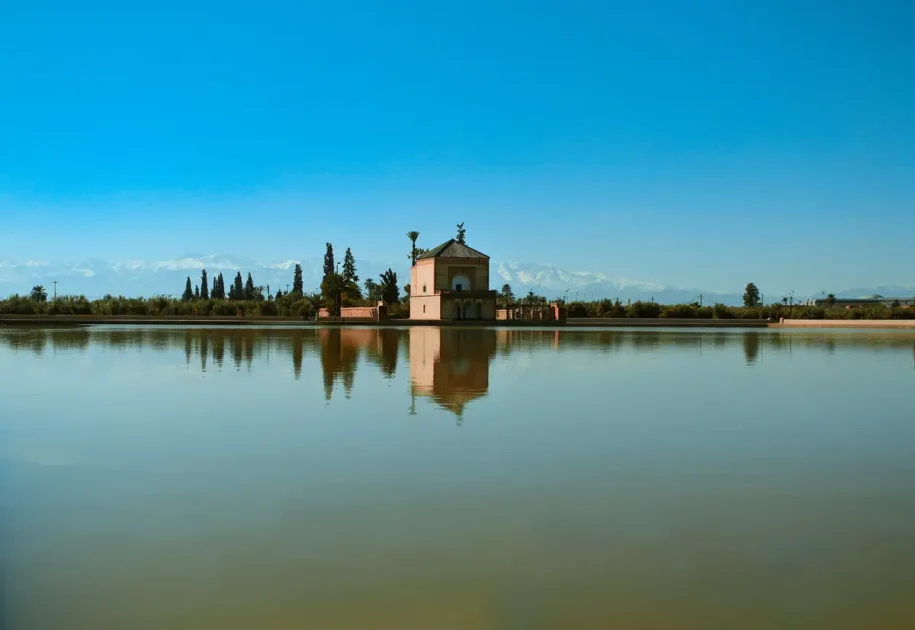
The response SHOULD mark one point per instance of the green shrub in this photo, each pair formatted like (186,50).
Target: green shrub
(224,308)
(267,309)
(643,310)
(20,305)
(578,309)
(680,311)
(70,305)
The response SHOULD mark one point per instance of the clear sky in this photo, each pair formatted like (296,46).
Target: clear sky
(684,142)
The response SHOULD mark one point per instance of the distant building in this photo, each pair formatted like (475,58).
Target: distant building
(870,300)
(451,282)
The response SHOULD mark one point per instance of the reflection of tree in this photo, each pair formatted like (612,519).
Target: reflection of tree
(248,346)
(70,339)
(385,350)
(37,343)
(188,346)
(751,347)
(297,348)
(219,348)
(349,353)
(237,352)
(34,340)
(390,346)
(340,350)
(330,359)
(448,365)
(204,349)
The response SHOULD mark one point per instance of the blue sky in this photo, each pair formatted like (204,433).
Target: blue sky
(689,143)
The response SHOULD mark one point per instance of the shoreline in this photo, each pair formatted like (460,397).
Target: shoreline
(180,320)
(267,321)
(897,324)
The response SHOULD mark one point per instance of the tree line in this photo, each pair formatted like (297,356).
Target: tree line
(341,287)
(210,296)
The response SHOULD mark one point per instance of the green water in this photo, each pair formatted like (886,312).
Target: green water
(459,478)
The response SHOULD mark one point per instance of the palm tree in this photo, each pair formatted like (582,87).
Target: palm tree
(831,300)
(39,294)
(316,300)
(413,235)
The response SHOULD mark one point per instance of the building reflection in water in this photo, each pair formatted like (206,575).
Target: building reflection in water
(450,365)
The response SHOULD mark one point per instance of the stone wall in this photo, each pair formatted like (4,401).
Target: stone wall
(360,313)
(546,313)
(848,323)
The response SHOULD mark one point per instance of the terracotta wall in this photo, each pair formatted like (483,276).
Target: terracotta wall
(374,313)
(359,312)
(848,323)
(425,307)
(423,274)
(552,312)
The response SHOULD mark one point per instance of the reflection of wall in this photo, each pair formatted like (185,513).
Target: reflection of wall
(450,365)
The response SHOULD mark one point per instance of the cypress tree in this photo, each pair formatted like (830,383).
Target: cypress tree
(238,288)
(204,285)
(197,293)
(220,287)
(188,291)
(350,279)
(298,287)
(349,268)
(328,261)
(249,287)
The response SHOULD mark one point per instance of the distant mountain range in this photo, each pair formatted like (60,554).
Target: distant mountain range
(95,278)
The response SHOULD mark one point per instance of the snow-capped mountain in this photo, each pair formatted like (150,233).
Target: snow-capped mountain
(884,291)
(553,282)
(95,278)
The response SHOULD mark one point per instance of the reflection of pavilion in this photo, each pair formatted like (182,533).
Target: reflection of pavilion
(451,365)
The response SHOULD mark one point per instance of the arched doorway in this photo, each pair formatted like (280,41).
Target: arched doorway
(469,311)
(457,311)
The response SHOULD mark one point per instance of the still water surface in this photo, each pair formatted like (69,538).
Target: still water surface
(457,478)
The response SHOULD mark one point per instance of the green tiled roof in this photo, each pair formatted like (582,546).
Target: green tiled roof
(452,249)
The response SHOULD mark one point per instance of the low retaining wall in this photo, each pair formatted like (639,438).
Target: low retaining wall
(553,313)
(665,322)
(147,320)
(848,323)
(357,314)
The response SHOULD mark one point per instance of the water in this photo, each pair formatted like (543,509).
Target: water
(458,478)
